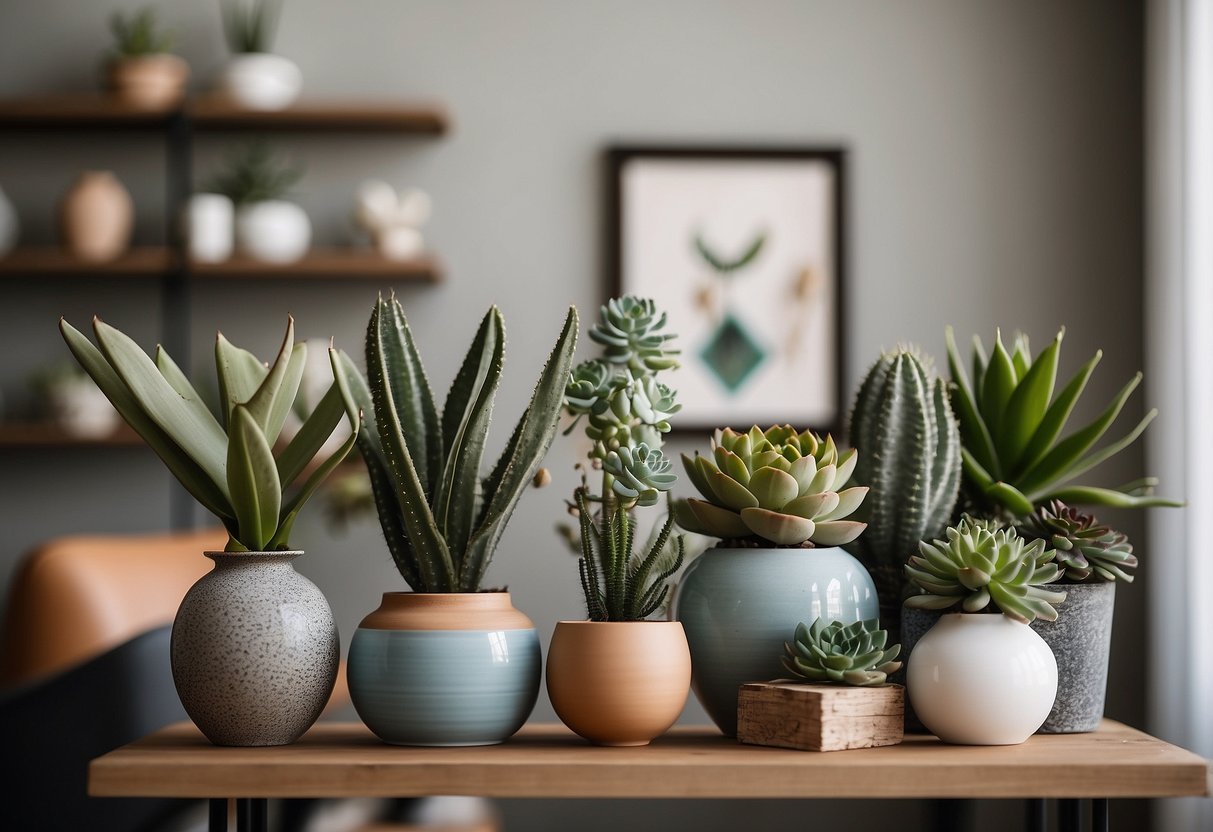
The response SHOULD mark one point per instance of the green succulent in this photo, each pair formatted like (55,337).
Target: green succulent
(630,333)
(847,654)
(778,485)
(138,34)
(249,27)
(1010,422)
(639,474)
(254,174)
(1085,549)
(980,564)
(441,517)
(589,388)
(227,463)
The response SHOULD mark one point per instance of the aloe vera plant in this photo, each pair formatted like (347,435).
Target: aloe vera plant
(1011,423)
(227,462)
(441,517)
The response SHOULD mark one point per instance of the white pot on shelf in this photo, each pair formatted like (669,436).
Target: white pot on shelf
(80,408)
(981,679)
(275,231)
(261,81)
(210,227)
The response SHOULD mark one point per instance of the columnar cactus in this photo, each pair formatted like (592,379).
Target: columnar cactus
(848,654)
(909,458)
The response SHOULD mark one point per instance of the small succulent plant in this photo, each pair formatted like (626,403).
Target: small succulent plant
(249,26)
(1010,424)
(138,34)
(1087,550)
(847,654)
(254,174)
(981,564)
(626,412)
(777,485)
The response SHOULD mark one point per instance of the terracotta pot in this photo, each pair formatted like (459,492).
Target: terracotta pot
(152,82)
(96,217)
(619,682)
(444,669)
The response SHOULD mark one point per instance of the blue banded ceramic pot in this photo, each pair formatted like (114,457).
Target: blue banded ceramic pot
(444,669)
(739,606)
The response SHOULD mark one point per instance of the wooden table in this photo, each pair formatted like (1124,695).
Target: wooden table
(346,760)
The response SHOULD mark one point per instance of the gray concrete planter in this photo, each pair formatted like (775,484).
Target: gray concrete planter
(1080,639)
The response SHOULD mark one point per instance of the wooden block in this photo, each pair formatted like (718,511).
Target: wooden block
(819,717)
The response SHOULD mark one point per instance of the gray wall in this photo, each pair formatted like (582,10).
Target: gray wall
(996,164)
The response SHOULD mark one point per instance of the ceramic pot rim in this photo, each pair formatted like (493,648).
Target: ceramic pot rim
(574,623)
(217,554)
(483,600)
(981,615)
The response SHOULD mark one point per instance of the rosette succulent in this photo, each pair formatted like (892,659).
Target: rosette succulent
(639,474)
(778,485)
(980,564)
(847,654)
(1086,550)
(630,332)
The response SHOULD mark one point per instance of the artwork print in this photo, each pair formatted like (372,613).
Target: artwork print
(743,249)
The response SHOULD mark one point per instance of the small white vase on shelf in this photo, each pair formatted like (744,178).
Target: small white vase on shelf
(209,227)
(981,679)
(261,81)
(275,231)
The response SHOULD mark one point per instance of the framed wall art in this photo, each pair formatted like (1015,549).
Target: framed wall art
(745,250)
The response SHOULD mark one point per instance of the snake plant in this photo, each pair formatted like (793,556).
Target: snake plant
(909,458)
(846,654)
(1010,424)
(227,463)
(441,517)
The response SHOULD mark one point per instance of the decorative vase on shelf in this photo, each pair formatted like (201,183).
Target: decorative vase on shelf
(981,679)
(96,217)
(261,81)
(10,226)
(1081,641)
(273,230)
(152,82)
(740,605)
(80,409)
(619,682)
(445,668)
(209,228)
(254,650)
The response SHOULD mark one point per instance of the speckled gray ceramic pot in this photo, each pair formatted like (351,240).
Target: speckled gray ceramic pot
(1081,639)
(739,606)
(254,650)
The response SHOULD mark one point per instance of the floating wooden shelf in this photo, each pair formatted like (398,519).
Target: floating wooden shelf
(353,264)
(141,261)
(372,117)
(48,435)
(85,109)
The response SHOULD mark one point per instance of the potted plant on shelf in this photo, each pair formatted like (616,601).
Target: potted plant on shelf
(448,663)
(254,77)
(268,227)
(776,499)
(908,441)
(253,628)
(618,678)
(141,71)
(978,677)
(1016,465)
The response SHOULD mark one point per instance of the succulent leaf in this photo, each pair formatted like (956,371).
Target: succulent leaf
(1086,550)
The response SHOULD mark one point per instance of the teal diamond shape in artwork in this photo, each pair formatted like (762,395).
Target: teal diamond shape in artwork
(732,354)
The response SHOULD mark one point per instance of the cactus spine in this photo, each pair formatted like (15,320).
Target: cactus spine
(909,457)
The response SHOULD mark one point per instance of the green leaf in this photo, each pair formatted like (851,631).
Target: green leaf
(210,494)
(1091,460)
(1011,498)
(240,374)
(290,511)
(173,375)
(284,399)
(197,434)
(1055,419)
(469,407)
(527,446)
(976,433)
(261,403)
(316,430)
(1090,496)
(996,390)
(252,479)
(1029,403)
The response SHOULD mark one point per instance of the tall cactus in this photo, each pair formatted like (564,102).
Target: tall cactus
(909,457)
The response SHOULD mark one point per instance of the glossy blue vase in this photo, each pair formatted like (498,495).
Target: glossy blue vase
(450,669)
(739,606)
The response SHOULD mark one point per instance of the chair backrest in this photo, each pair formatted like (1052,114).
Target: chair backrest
(75,598)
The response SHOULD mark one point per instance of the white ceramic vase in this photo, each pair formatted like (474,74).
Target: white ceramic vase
(80,408)
(209,227)
(10,227)
(981,679)
(275,231)
(261,81)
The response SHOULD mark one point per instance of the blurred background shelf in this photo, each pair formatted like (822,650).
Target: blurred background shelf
(351,264)
(83,109)
(50,435)
(139,261)
(365,117)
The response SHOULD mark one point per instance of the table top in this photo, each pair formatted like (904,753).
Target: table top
(345,759)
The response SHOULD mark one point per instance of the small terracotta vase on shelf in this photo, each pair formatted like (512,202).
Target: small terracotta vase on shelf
(148,82)
(96,217)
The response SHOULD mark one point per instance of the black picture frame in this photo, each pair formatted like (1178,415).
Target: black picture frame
(835,158)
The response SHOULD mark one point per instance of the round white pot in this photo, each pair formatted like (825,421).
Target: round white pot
(261,81)
(209,227)
(82,410)
(981,679)
(275,231)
